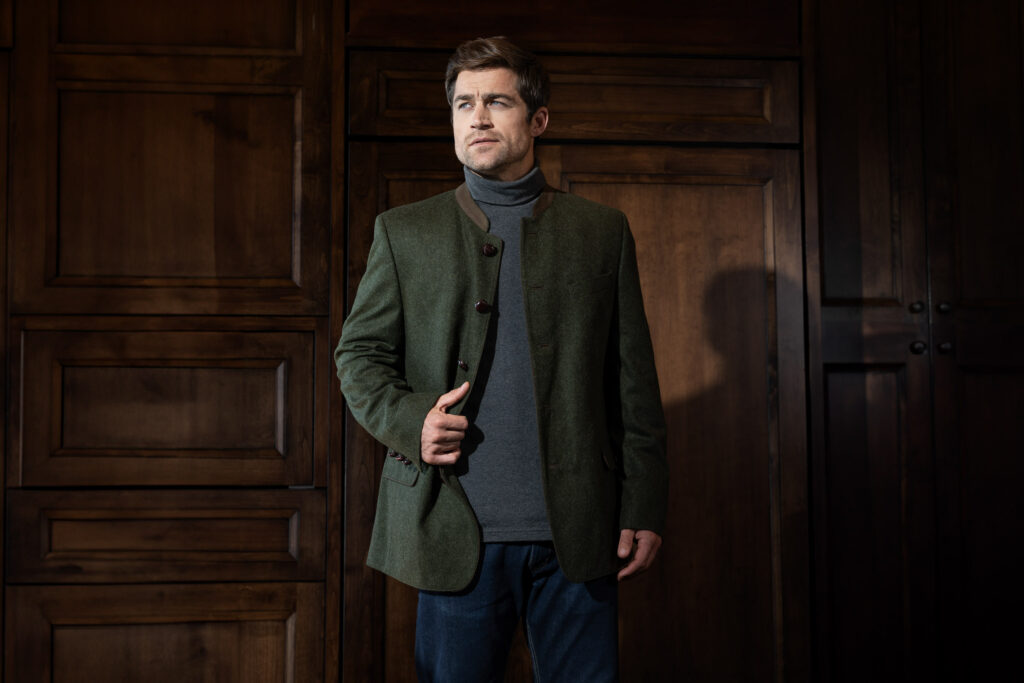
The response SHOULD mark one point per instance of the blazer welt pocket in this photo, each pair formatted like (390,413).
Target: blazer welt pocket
(405,473)
(594,284)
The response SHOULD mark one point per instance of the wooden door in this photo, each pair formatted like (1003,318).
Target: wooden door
(974,96)
(916,309)
(870,372)
(166,452)
(718,246)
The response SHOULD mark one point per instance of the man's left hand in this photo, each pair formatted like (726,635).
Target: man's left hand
(642,546)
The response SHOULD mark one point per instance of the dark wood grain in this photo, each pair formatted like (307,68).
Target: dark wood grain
(165,632)
(239,24)
(975,92)
(729,27)
(126,536)
(595,97)
(874,568)
(6,24)
(174,182)
(132,406)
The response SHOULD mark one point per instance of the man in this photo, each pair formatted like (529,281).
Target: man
(498,347)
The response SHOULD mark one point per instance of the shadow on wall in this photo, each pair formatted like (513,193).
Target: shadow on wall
(709,596)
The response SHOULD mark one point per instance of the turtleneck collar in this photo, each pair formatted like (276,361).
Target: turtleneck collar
(505,193)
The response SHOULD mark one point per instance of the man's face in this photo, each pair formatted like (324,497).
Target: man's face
(492,134)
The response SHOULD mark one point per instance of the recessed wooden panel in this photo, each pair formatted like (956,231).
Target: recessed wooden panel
(263,24)
(144,537)
(865,472)
(730,26)
(6,24)
(266,632)
(721,315)
(872,243)
(177,183)
(985,94)
(718,244)
(159,396)
(107,407)
(976,170)
(158,185)
(623,98)
(991,515)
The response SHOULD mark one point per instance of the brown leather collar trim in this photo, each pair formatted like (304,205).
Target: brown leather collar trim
(547,195)
(476,214)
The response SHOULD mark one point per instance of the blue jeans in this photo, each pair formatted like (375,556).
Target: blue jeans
(571,628)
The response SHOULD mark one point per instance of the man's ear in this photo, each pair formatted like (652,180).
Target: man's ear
(539,121)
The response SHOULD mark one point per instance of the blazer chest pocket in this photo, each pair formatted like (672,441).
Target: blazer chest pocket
(400,469)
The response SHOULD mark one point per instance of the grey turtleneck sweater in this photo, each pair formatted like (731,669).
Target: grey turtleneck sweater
(500,469)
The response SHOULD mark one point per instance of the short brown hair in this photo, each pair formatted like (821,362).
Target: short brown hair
(500,53)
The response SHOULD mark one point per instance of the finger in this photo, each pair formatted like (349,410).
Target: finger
(446,422)
(630,569)
(626,537)
(449,399)
(441,445)
(442,458)
(646,549)
(644,552)
(443,432)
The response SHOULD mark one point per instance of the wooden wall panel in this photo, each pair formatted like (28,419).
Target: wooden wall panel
(865,417)
(130,536)
(985,93)
(982,519)
(174,187)
(871,243)
(5,17)
(165,633)
(722,290)
(6,24)
(172,159)
(872,468)
(164,406)
(240,24)
(623,98)
(729,26)
(157,179)
(974,94)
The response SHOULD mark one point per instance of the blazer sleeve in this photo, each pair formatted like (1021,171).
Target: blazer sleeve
(637,417)
(370,354)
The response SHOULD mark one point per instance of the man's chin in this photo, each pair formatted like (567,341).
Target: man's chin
(486,170)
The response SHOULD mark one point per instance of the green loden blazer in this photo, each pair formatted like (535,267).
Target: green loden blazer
(417,329)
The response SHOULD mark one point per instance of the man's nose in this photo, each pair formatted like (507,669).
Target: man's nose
(481,117)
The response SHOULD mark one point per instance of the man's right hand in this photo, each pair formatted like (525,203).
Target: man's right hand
(441,438)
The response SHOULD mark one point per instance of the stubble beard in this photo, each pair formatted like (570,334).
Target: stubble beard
(485,164)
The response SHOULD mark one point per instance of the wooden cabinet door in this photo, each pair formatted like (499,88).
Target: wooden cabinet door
(718,244)
(974,97)
(258,633)
(870,359)
(718,240)
(166,371)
